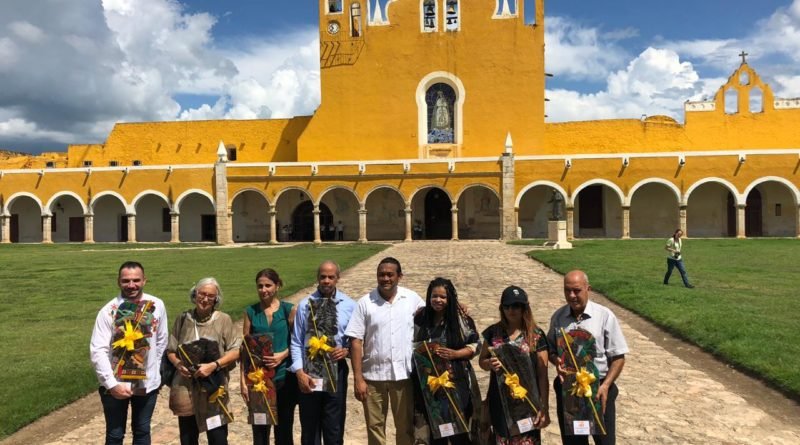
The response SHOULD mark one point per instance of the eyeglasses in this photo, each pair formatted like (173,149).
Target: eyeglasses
(519,306)
(205,296)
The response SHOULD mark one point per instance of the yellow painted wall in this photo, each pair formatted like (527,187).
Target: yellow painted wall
(369,83)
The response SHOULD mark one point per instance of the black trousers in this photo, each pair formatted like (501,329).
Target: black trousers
(322,414)
(609,419)
(286,393)
(190,433)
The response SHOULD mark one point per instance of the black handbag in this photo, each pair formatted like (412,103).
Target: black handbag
(167,369)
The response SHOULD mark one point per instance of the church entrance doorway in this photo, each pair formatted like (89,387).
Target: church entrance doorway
(752,215)
(438,220)
(303,220)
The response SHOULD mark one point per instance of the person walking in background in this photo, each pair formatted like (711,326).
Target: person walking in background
(340,230)
(675,258)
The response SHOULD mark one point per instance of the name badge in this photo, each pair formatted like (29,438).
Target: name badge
(446,430)
(213,422)
(581,428)
(318,385)
(525,425)
(259,418)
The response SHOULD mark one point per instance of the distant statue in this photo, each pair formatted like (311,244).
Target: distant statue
(441,112)
(557,200)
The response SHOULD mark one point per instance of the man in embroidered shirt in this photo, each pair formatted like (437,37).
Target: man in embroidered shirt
(322,414)
(609,357)
(381,330)
(140,393)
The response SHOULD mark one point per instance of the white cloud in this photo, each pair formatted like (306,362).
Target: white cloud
(9,54)
(27,32)
(579,52)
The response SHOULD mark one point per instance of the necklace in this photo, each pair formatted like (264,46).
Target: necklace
(203,319)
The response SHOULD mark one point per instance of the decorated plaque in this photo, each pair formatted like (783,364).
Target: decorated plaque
(209,397)
(518,388)
(321,332)
(133,328)
(576,350)
(263,403)
(443,399)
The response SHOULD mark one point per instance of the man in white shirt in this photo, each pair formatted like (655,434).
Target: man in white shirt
(141,341)
(381,331)
(609,352)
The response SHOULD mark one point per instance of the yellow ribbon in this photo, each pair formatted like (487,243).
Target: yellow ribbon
(260,387)
(317,344)
(217,395)
(129,338)
(583,383)
(443,381)
(516,390)
(256,376)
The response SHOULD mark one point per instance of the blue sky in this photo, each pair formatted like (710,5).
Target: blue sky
(70,69)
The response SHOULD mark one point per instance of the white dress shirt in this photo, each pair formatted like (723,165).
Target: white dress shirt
(387,330)
(103,334)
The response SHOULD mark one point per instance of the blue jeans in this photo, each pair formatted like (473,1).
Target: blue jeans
(671,264)
(116,414)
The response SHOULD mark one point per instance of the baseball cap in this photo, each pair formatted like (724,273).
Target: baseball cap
(514,294)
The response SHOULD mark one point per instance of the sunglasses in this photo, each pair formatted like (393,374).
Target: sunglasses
(519,306)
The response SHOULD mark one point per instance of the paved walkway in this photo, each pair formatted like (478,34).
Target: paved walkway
(663,398)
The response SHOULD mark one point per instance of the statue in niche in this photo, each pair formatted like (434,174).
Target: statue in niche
(441,112)
(557,200)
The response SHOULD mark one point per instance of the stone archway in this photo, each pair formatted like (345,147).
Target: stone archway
(478,213)
(67,220)
(710,211)
(198,220)
(110,220)
(534,211)
(303,220)
(153,222)
(385,215)
(25,220)
(655,211)
(344,206)
(250,217)
(598,212)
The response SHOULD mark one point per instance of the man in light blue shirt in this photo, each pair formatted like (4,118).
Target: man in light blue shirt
(322,414)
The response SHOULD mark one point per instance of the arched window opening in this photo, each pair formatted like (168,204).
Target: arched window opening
(731,101)
(506,8)
(429,14)
(355,20)
(756,100)
(451,15)
(440,100)
(744,78)
(334,6)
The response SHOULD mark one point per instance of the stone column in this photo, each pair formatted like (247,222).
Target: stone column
(570,223)
(317,237)
(454,222)
(273,222)
(509,221)
(408,223)
(362,225)
(683,218)
(5,229)
(626,223)
(740,221)
(223,214)
(131,227)
(175,227)
(47,235)
(88,228)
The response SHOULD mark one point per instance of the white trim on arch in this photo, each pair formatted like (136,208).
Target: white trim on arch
(422,107)
(731,188)
(135,201)
(644,182)
(66,193)
(249,189)
(14,197)
(537,184)
(185,194)
(475,185)
(431,186)
(784,181)
(363,204)
(336,187)
(571,200)
(96,197)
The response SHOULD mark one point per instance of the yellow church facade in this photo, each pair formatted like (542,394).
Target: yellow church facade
(431,125)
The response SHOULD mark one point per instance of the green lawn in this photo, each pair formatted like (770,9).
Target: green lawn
(50,295)
(744,308)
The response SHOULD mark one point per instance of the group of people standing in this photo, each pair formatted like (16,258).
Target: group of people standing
(380,334)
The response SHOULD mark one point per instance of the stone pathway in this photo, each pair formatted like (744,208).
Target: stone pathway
(663,399)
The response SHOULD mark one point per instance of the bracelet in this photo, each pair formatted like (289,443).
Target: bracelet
(216,362)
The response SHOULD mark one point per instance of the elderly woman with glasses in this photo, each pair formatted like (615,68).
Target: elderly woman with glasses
(189,398)
(516,330)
